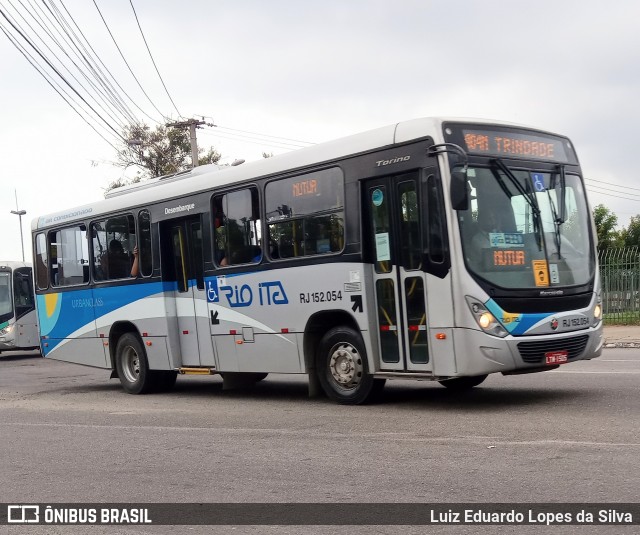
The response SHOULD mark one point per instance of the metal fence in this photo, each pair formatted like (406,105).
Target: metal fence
(620,276)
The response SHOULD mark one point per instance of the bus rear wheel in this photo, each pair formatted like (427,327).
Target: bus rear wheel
(459,384)
(341,365)
(132,365)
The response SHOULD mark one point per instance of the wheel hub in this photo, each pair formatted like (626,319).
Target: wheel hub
(345,365)
(131,366)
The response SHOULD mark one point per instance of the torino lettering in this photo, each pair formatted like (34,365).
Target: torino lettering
(381,163)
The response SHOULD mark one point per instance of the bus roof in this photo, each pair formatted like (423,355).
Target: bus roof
(205,177)
(13,264)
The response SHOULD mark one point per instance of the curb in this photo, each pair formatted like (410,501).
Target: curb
(634,344)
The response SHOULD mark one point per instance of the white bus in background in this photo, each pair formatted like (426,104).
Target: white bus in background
(439,249)
(18,318)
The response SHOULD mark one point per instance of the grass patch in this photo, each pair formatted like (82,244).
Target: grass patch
(622,318)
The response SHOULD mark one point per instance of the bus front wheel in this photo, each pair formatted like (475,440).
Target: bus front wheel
(341,365)
(132,365)
(460,384)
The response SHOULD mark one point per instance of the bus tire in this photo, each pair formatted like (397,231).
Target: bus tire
(132,365)
(460,384)
(341,365)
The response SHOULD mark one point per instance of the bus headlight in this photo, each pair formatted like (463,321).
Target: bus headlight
(485,319)
(597,310)
(597,314)
(6,330)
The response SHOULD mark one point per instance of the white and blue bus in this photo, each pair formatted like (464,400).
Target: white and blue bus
(433,249)
(18,319)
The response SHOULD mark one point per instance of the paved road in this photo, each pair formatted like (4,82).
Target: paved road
(69,434)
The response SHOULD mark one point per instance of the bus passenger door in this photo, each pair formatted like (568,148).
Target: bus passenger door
(394,214)
(183,267)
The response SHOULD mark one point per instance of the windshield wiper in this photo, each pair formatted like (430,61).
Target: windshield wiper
(527,194)
(563,193)
(558,220)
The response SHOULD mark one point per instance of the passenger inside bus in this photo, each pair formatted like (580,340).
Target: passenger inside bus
(117,262)
(135,267)
(244,255)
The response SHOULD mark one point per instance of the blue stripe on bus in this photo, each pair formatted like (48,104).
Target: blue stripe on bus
(519,324)
(61,314)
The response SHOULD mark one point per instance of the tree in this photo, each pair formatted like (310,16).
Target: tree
(158,152)
(631,235)
(606,222)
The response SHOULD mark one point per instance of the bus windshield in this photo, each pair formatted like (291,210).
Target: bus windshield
(6,306)
(526,228)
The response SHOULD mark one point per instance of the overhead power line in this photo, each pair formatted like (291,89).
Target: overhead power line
(612,185)
(30,59)
(113,111)
(89,56)
(50,39)
(75,45)
(125,60)
(621,196)
(58,73)
(304,143)
(254,141)
(152,60)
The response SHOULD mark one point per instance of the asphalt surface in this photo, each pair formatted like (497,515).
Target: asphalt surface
(69,434)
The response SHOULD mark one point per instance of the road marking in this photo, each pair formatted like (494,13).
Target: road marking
(272,432)
(632,372)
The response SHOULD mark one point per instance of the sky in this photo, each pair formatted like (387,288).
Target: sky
(278,75)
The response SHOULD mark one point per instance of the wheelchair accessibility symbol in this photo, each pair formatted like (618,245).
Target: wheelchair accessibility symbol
(538,181)
(213,296)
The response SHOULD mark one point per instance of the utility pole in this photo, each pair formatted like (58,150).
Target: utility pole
(191,124)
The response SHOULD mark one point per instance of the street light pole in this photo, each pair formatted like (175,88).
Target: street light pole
(20,213)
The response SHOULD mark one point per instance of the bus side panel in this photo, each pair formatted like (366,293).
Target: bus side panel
(79,350)
(147,308)
(27,330)
(157,353)
(478,353)
(225,346)
(255,316)
(440,318)
(252,356)
(68,328)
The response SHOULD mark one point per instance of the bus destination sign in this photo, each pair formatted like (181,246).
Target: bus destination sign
(518,144)
(501,259)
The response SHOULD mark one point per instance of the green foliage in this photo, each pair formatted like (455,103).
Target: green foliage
(211,156)
(631,235)
(606,221)
(158,152)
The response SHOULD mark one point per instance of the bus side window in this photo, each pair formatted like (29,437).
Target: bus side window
(41,260)
(437,259)
(22,290)
(144,243)
(237,228)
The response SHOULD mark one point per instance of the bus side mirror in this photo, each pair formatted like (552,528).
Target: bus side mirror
(459,191)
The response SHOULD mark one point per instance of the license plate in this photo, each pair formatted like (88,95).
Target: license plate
(557,357)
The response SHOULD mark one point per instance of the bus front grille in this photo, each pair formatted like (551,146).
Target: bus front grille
(534,352)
